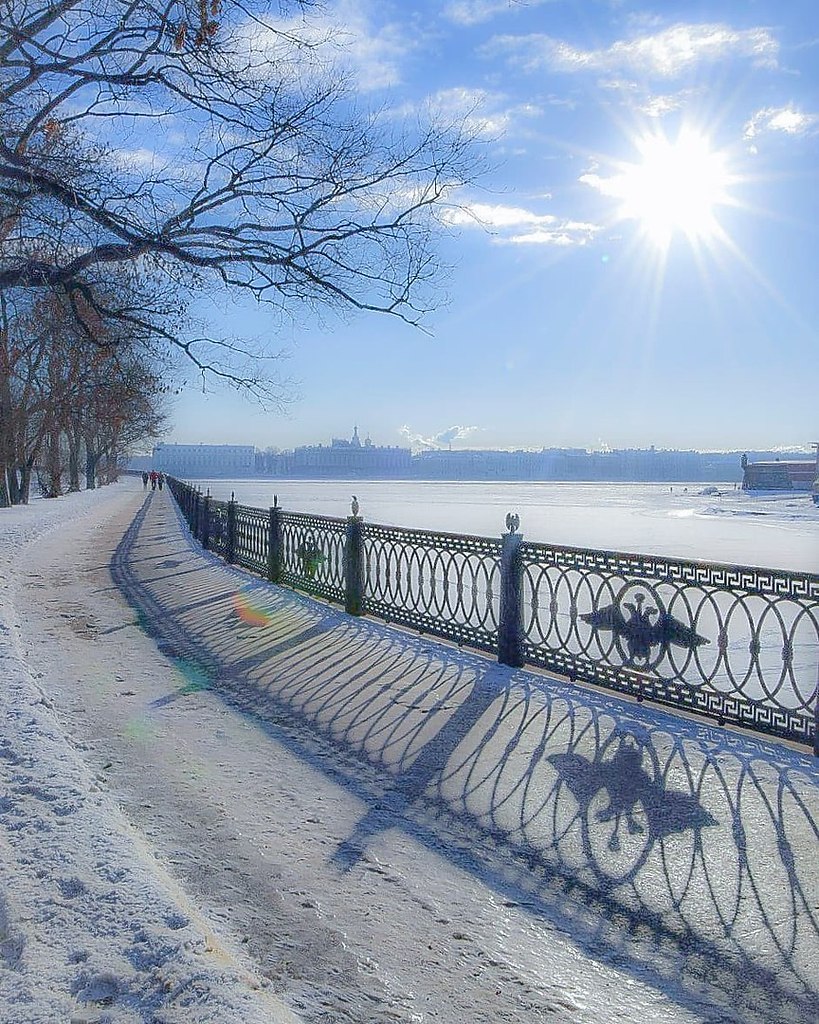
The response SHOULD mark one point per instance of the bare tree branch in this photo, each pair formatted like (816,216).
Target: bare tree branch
(274,183)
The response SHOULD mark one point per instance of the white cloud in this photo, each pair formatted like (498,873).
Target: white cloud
(663,54)
(481,112)
(623,85)
(519,226)
(473,12)
(650,104)
(659,106)
(562,238)
(605,186)
(441,440)
(345,36)
(140,159)
(489,216)
(146,163)
(786,119)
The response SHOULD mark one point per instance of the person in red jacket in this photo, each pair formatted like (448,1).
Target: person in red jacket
(154,478)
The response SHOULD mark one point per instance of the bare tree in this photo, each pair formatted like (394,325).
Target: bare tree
(21,357)
(269,181)
(123,406)
(64,403)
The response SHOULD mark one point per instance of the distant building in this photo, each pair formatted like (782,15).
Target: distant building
(635,465)
(354,458)
(341,459)
(200,461)
(779,474)
(481,464)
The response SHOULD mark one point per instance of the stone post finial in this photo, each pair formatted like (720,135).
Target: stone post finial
(512,522)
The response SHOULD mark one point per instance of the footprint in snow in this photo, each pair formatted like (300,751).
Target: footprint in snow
(71,887)
(101,989)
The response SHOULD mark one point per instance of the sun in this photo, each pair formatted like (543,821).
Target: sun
(676,187)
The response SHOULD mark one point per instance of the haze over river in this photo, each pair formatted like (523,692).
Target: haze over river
(770,530)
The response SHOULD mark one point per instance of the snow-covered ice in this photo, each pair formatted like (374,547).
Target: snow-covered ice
(223,802)
(777,531)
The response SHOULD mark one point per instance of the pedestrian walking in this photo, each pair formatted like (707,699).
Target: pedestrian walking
(161,480)
(154,478)
(145,480)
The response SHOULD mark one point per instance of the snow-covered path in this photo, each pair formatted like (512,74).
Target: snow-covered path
(386,829)
(93,927)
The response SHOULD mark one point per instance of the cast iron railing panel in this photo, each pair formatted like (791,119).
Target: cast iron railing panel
(252,538)
(218,527)
(441,583)
(736,643)
(313,554)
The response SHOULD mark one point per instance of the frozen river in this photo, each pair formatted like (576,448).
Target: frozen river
(773,531)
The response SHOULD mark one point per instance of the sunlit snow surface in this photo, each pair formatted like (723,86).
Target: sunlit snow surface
(771,530)
(93,929)
(393,830)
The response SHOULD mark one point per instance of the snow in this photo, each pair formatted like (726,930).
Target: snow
(222,802)
(92,928)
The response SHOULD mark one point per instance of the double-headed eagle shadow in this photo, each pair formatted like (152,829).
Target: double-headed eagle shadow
(638,805)
(640,633)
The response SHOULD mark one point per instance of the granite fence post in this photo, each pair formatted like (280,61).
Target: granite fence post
(230,541)
(206,521)
(510,624)
(354,566)
(274,542)
(196,524)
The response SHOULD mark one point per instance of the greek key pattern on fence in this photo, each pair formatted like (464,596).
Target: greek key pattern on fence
(735,643)
(313,554)
(444,584)
(707,574)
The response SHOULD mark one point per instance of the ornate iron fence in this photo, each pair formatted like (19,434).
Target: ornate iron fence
(738,644)
(735,643)
(312,554)
(252,534)
(442,583)
(215,514)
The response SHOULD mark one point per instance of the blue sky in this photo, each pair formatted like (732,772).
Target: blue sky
(638,265)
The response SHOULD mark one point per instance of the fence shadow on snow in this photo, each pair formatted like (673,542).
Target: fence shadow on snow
(680,851)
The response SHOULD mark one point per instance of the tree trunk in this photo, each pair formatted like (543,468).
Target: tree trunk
(112,466)
(53,465)
(13,482)
(73,461)
(24,485)
(5,497)
(91,460)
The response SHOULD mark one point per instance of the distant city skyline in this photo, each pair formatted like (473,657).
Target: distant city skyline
(637,265)
(413,443)
(355,458)
(417,443)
